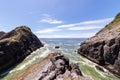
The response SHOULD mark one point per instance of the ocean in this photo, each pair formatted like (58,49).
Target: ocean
(68,47)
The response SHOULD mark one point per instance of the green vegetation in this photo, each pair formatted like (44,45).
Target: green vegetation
(116,20)
(108,26)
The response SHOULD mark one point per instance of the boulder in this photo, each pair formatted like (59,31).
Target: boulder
(16,45)
(57,47)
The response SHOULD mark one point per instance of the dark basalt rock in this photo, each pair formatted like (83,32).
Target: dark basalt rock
(57,47)
(2,33)
(99,68)
(104,47)
(55,66)
(16,45)
(58,67)
(94,51)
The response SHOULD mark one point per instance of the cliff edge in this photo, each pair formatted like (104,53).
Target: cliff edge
(104,47)
(16,45)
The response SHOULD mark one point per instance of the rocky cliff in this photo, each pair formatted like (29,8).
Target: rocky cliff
(54,67)
(104,47)
(16,45)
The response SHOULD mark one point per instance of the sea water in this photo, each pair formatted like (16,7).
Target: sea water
(68,47)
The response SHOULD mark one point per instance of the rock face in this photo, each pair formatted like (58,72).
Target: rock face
(104,47)
(16,45)
(54,67)
(59,68)
(2,33)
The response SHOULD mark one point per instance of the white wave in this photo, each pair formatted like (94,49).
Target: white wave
(78,44)
(46,45)
(43,42)
(45,53)
(101,73)
(41,54)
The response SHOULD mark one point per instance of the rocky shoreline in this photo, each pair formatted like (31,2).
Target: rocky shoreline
(104,47)
(54,67)
(17,44)
(110,69)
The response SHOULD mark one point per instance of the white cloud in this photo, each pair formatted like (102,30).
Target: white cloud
(81,35)
(92,22)
(47,31)
(68,25)
(48,19)
(85,35)
(85,27)
(97,21)
(51,21)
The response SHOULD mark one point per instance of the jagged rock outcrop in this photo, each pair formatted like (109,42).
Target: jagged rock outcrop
(2,33)
(16,45)
(104,47)
(54,67)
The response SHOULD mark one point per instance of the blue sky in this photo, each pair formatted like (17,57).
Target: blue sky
(58,18)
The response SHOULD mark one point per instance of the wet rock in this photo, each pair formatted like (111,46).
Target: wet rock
(16,45)
(104,47)
(75,69)
(56,67)
(57,47)
(62,69)
(75,51)
(99,68)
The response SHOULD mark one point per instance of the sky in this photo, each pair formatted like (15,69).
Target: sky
(58,18)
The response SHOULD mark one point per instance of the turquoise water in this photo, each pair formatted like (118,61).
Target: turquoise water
(68,47)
